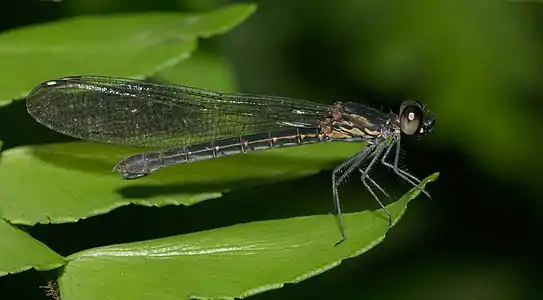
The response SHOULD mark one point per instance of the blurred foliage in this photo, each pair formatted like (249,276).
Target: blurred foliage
(472,64)
(476,64)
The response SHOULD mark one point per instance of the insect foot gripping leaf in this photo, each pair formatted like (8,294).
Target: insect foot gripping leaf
(225,263)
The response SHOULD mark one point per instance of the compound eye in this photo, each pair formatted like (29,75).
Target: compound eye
(411,116)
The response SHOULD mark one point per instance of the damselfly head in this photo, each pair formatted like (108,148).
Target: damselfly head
(415,119)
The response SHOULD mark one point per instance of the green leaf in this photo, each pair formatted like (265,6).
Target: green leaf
(127,45)
(235,261)
(20,252)
(71,181)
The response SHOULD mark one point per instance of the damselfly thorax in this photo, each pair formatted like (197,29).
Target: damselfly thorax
(194,124)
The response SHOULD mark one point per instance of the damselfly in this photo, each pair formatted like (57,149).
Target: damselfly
(195,124)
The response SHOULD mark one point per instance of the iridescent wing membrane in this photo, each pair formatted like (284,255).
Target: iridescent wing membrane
(138,113)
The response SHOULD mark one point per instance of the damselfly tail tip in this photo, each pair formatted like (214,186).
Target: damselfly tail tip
(120,167)
(139,165)
(126,175)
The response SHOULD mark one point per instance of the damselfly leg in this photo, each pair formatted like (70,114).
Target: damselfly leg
(373,182)
(401,173)
(351,164)
(335,184)
(365,175)
(192,124)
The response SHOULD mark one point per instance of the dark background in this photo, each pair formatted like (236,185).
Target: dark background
(476,64)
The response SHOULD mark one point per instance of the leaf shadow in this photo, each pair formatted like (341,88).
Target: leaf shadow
(258,201)
(144,191)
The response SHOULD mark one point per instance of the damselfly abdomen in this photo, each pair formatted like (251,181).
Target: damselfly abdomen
(194,124)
